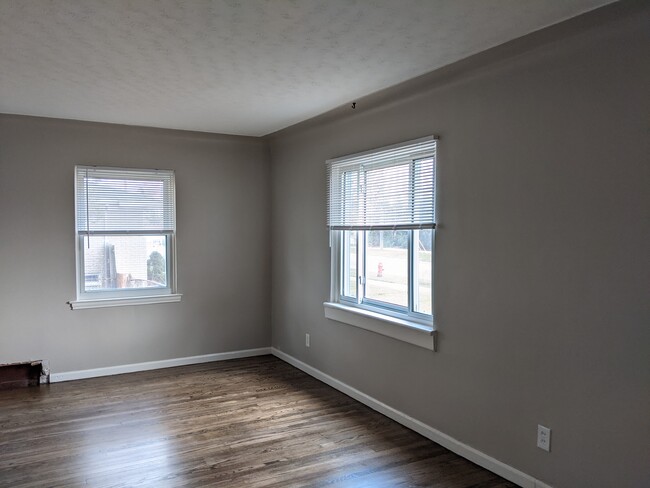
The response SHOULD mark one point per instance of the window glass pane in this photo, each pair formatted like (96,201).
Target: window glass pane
(387,195)
(422,265)
(115,262)
(350,263)
(387,266)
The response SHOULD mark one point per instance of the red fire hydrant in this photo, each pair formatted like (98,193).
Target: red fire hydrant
(380,270)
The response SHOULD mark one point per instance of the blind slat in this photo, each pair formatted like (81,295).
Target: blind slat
(124,200)
(388,188)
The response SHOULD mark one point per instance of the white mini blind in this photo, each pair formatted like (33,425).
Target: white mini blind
(124,201)
(387,188)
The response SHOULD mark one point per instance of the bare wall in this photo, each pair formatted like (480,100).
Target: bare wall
(222,242)
(542,262)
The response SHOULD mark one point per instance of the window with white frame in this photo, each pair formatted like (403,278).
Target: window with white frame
(381,217)
(125,235)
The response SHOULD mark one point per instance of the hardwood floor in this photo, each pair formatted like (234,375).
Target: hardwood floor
(245,422)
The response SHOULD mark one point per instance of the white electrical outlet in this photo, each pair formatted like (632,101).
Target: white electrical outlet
(307,340)
(544,438)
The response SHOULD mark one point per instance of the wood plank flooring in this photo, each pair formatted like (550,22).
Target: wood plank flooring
(255,422)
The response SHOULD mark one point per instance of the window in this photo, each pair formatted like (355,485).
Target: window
(381,217)
(125,233)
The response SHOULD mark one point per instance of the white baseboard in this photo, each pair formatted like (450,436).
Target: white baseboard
(165,363)
(454,445)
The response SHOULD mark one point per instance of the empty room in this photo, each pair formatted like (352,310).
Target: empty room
(296,243)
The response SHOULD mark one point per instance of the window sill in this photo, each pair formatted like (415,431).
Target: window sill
(122,302)
(400,329)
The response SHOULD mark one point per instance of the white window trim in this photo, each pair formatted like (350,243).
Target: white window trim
(107,296)
(88,300)
(125,301)
(380,323)
(407,326)
(400,327)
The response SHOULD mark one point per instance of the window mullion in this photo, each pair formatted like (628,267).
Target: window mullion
(412,261)
(169,273)
(411,272)
(345,267)
(361,265)
(80,264)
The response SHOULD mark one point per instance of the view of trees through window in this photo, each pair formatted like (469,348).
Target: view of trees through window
(397,239)
(156,268)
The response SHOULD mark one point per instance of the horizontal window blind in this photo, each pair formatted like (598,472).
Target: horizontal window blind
(388,188)
(124,201)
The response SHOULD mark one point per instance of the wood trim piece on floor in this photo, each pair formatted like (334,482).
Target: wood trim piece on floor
(165,363)
(454,445)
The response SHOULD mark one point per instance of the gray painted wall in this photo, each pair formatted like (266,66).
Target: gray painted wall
(542,267)
(223,253)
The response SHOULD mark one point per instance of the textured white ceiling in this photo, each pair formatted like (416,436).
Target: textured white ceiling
(247,67)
